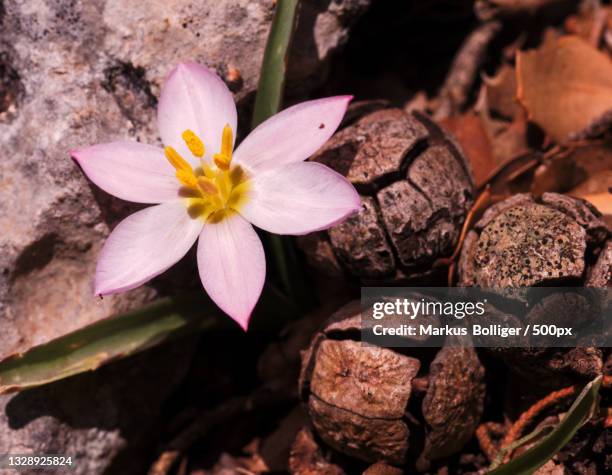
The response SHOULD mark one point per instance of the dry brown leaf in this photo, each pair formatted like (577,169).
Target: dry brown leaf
(591,160)
(598,190)
(565,85)
(509,141)
(472,136)
(501,93)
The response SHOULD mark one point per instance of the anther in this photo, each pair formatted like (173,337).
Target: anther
(226,142)
(186,178)
(176,160)
(224,158)
(194,143)
(184,171)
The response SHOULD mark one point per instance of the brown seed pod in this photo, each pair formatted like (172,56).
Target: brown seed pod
(416,189)
(523,242)
(357,395)
(554,240)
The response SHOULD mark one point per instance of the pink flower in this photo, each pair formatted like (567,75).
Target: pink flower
(208,190)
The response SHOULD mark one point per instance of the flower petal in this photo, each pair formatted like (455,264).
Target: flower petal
(299,198)
(292,135)
(144,245)
(129,170)
(195,98)
(232,266)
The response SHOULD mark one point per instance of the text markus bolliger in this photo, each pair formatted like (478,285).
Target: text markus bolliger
(412,308)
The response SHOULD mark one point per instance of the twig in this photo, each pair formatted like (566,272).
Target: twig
(488,9)
(259,399)
(502,167)
(608,421)
(464,69)
(481,201)
(530,414)
(598,27)
(182,470)
(523,169)
(483,434)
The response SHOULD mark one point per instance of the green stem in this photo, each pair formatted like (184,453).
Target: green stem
(274,66)
(267,103)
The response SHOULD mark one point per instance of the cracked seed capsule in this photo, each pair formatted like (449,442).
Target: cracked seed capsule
(358,396)
(416,188)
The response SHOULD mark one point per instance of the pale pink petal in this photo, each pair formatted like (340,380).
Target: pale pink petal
(232,266)
(299,198)
(129,170)
(144,245)
(292,135)
(194,98)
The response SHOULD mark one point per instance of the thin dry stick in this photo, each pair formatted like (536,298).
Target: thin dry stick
(502,167)
(182,470)
(464,69)
(483,434)
(553,398)
(482,200)
(523,169)
(608,421)
(598,27)
(530,414)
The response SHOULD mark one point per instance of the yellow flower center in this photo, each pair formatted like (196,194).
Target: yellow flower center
(213,191)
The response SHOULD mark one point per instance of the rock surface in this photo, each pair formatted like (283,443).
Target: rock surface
(76,73)
(107,421)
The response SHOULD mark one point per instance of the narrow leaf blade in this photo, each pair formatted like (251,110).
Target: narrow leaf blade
(102,342)
(272,77)
(578,414)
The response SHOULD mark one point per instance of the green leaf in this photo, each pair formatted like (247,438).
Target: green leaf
(581,411)
(106,340)
(124,335)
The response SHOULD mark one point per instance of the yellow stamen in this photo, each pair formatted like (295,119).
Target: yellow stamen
(226,141)
(221,161)
(194,143)
(208,171)
(176,160)
(186,178)
(212,191)
(224,158)
(184,171)
(207,186)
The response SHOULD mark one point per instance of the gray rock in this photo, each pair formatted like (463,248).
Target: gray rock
(107,421)
(77,73)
